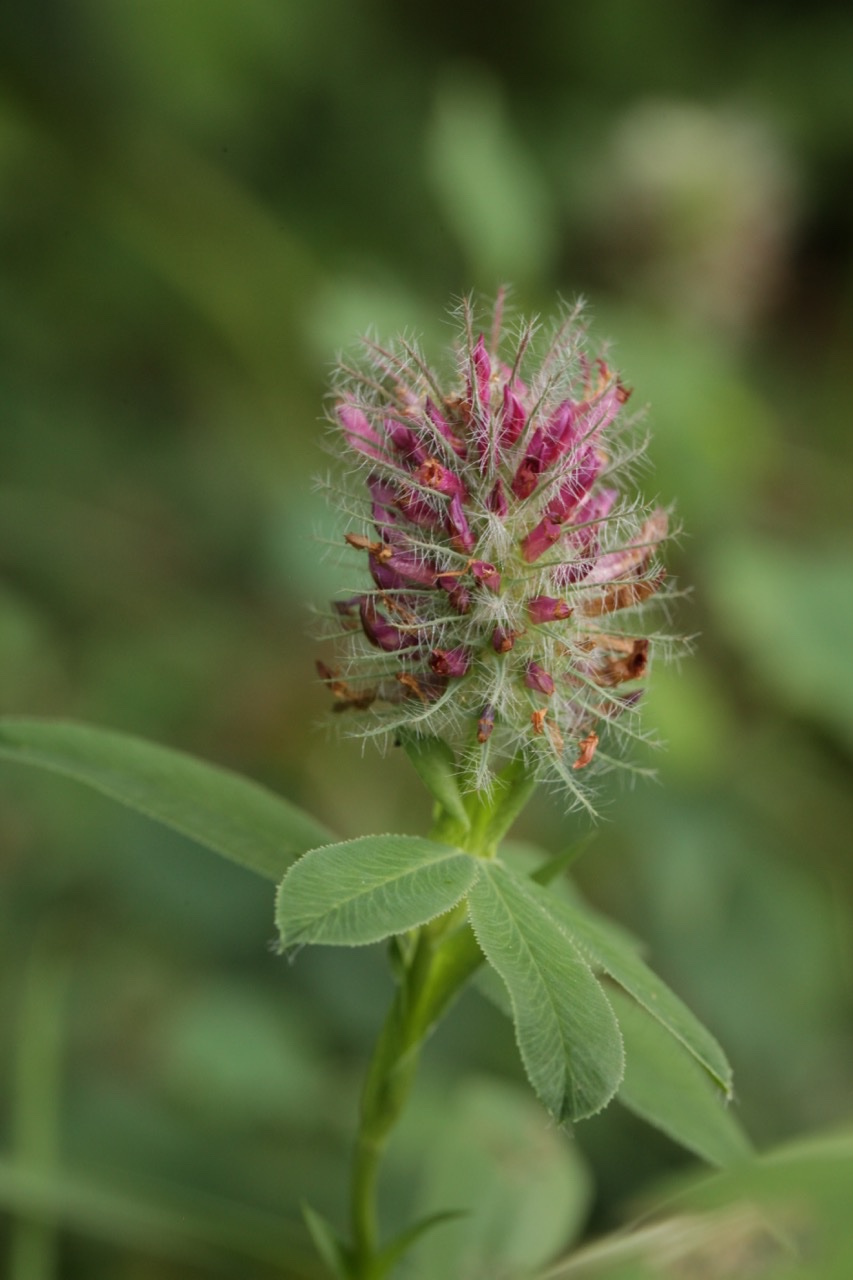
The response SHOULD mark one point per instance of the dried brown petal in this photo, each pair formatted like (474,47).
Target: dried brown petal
(632,666)
(586,750)
(623,596)
(537,719)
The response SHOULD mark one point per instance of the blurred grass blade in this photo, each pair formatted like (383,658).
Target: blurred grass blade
(227,813)
(180,1226)
(35,1101)
(786,1213)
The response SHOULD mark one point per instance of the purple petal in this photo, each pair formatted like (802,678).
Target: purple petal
(547,609)
(358,432)
(584,536)
(594,508)
(400,570)
(457,592)
(568,575)
(384,498)
(571,500)
(413,567)
(450,662)
(386,578)
(513,419)
(503,640)
(482,367)
(560,432)
(487,574)
(575,487)
(458,527)
(381,632)
(537,678)
(480,396)
(599,413)
(444,428)
(418,510)
(540,539)
(545,445)
(432,475)
(526,478)
(497,500)
(405,441)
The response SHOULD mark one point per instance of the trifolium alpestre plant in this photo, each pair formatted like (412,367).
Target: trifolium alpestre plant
(511,558)
(504,637)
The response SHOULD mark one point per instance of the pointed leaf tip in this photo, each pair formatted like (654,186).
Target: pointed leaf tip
(336,1254)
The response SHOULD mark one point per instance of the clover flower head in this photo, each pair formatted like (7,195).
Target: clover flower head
(511,559)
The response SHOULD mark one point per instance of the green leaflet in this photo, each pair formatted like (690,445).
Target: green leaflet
(664,1082)
(364,890)
(567,1033)
(607,947)
(666,1086)
(221,810)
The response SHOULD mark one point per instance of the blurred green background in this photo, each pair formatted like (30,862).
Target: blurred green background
(201,201)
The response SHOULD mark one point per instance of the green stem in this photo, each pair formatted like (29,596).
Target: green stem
(438,968)
(442,957)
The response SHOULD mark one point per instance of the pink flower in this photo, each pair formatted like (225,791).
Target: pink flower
(499,537)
